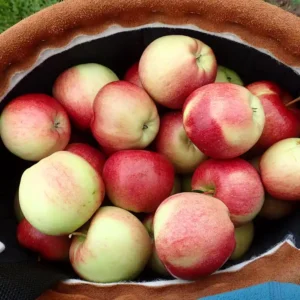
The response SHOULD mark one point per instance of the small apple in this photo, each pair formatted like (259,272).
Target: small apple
(89,153)
(172,142)
(223,120)
(173,66)
(115,247)
(244,237)
(52,248)
(193,235)
(225,74)
(132,75)
(77,87)
(280,122)
(60,193)
(34,126)
(233,181)
(280,169)
(125,117)
(138,180)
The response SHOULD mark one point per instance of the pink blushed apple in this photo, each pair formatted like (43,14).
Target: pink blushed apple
(173,142)
(125,117)
(77,87)
(280,169)
(173,66)
(233,181)
(132,75)
(33,126)
(223,120)
(138,180)
(193,235)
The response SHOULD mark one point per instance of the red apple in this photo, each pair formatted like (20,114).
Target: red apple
(193,235)
(89,153)
(132,75)
(223,120)
(173,66)
(173,142)
(77,87)
(280,122)
(233,181)
(53,248)
(138,180)
(280,169)
(33,126)
(125,117)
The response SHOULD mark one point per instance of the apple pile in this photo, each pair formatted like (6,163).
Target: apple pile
(165,169)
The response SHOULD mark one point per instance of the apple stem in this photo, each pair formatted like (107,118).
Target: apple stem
(77,234)
(293,101)
(208,192)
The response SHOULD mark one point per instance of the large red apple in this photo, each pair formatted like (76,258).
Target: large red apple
(33,126)
(193,235)
(233,181)
(132,75)
(173,142)
(125,117)
(173,66)
(280,122)
(77,87)
(89,153)
(223,120)
(138,180)
(54,248)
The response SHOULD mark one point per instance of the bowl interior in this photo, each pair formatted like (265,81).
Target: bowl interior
(118,52)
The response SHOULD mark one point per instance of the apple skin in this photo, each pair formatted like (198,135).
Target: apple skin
(225,74)
(223,120)
(77,87)
(138,180)
(235,182)
(173,142)
(51,248)
(56,198)
(114,126)
(201,242)
(117,247)
(92,155)
(280,122)
(280,170)
(132,75)
(173,66)
(177,185)
(186,182)
(34,126)
(154,263)
(244,236)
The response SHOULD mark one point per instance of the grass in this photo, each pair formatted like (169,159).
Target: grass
(12,11)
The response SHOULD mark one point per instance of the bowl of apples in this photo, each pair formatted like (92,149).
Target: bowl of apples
(150,149)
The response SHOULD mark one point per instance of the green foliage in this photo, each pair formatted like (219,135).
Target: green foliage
(13,11)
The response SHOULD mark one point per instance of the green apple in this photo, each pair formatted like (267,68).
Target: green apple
(225,74)
(115,247)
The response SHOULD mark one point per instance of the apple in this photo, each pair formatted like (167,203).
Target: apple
(173,66)
(115,247)
(125,117)
(89,153)
(154,263)
(280,122)
(233,181)
(132,75)
(280,169)
(223,120)
(60,193)
(52,248)
(138,180)
(244,237)
(176,186)
(186,182)
(18,212)
(193,235)
(225,74)
(34,126)
(77,87)
(173,142)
